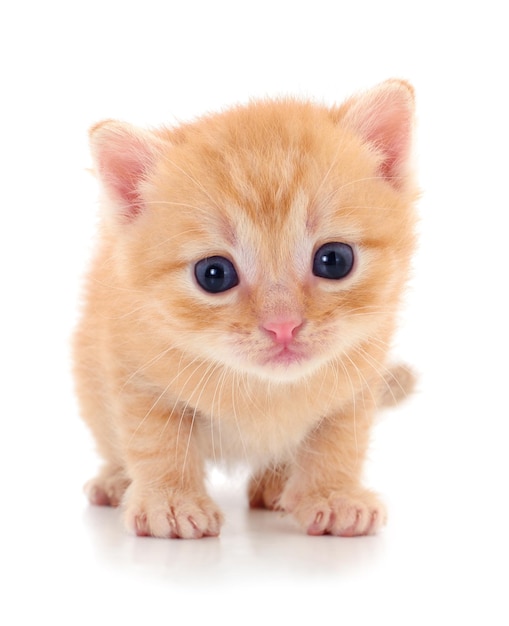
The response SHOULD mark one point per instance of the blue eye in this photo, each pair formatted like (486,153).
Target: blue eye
(216,274)
(333,260)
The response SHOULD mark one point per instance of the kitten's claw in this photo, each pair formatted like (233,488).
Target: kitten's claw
(319,525)
(140,525)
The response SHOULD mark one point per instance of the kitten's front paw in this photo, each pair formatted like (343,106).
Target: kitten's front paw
(175,514)
(341,514)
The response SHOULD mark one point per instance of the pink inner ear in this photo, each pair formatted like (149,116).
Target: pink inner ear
(390,131)
(384,117)
(123,175)
(123,160)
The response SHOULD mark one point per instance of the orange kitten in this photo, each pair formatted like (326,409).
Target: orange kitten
(241,306)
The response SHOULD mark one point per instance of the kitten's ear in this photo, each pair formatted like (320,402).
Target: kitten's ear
(384,117)
(123,156)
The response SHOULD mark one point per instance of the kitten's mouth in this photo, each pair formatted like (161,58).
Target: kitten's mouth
(285,356)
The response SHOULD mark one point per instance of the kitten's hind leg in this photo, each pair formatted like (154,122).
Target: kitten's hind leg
(266,487)
(399,382)
(108,488)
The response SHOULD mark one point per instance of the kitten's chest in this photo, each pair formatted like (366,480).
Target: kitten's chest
(261,427)
(240,417)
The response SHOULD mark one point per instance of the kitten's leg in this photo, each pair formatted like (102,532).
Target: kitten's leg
(324,492)
(109,486)
(166,497)
(266,487)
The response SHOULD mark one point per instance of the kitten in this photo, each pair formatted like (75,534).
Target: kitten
(241,305)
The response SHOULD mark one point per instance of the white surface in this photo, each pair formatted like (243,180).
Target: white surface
(440,460)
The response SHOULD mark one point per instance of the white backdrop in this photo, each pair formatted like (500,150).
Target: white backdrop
(440,460)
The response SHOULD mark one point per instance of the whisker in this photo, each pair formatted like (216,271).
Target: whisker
(354,405)
(217,390)
(202,383)
(384,372)
(365,384)
(234,407)
(157,400)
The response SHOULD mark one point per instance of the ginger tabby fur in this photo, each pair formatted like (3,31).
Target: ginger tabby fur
(284,369)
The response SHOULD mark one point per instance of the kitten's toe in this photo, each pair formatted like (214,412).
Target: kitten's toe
(356,516)
(341,514)
(172,515)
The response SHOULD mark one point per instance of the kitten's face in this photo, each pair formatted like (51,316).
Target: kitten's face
(269,241)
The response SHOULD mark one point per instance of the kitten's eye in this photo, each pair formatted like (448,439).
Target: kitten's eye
(333,260)
(216,274)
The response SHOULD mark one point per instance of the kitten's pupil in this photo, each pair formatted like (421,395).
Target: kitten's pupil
(333,260)
(216,274)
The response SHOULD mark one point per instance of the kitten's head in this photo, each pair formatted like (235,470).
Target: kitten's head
(273,238)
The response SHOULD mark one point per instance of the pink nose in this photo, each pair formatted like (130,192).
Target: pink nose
(283,331)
